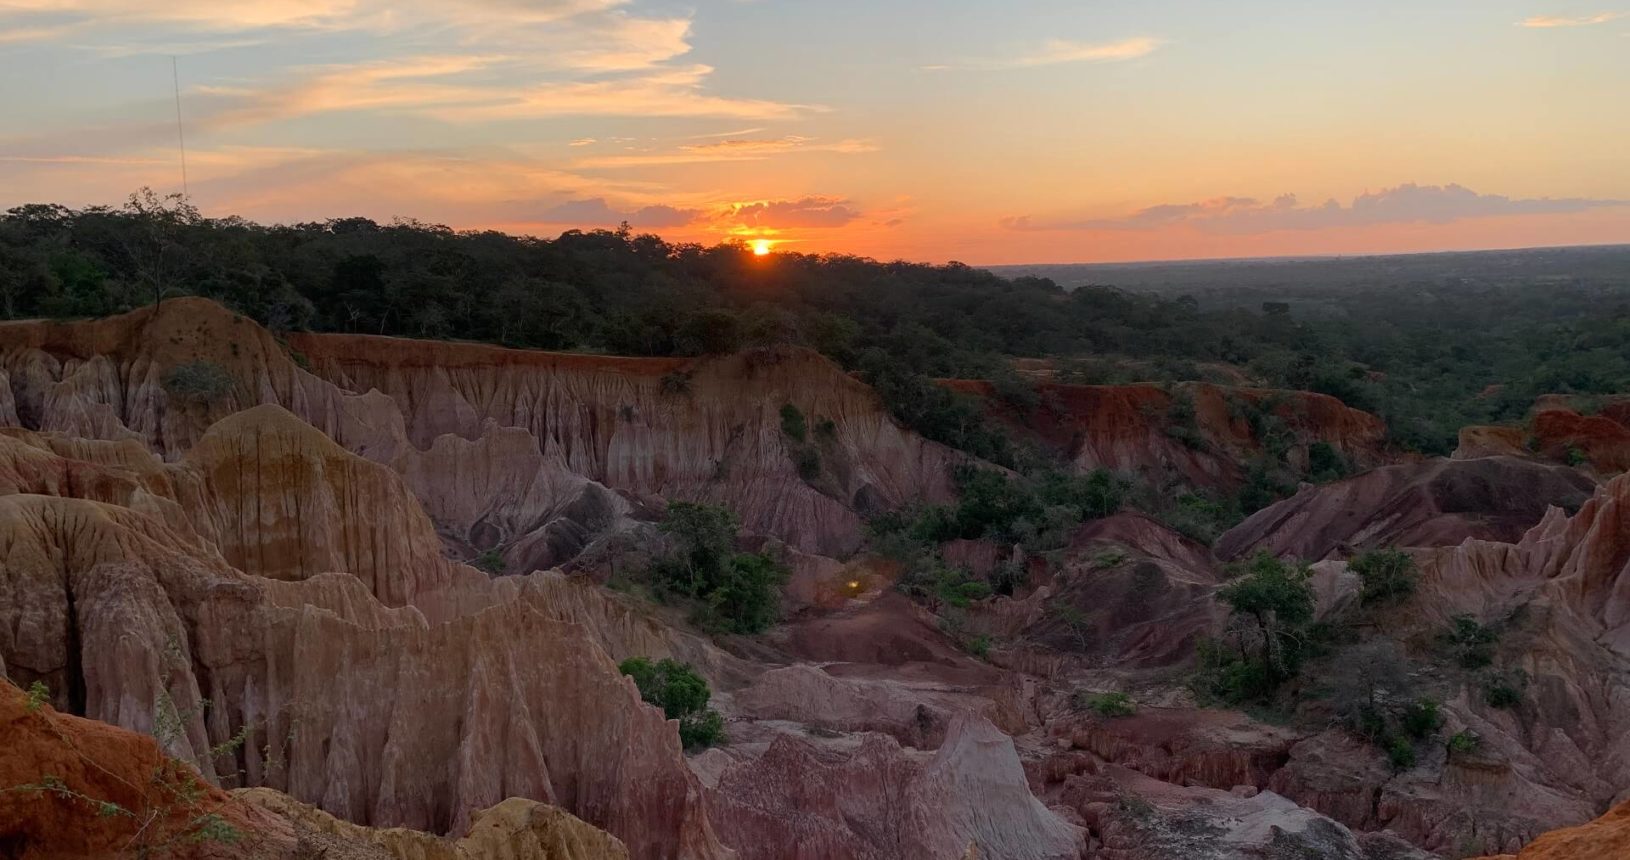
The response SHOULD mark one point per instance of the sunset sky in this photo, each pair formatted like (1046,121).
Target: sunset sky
(987,132)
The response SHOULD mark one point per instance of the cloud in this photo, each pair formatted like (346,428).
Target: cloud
(1432,204)
(1060,51)
(666,92)
(457,60)
(597,212)
(806,212)
(1546,22)
(583,141)
(731,149)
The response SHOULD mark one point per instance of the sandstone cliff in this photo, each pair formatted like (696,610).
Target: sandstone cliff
(1199,434)
(413,695)
(76,788)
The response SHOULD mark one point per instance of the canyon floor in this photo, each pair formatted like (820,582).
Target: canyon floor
(253,624)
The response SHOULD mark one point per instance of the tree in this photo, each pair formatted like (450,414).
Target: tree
(736,592)
(682,694)
(1277,596)
(1388,576)
(198,383)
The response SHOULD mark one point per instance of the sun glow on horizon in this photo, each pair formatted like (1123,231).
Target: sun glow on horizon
(761,247)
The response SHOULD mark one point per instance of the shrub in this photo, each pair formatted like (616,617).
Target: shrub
(1422,718)
(1472,643)
(1181,423)
(979,646)
(1577,457)
(1503,689)
(792,422)
(1115,704)
(198,383)
(1401,754)
(1388,576)
(490,561)
(38,694)
(736,592)
(1325,463)
(826,430)
(682,695)
(1464,743)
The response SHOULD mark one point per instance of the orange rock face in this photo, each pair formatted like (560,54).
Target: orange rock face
(1556,432)
(77,788)
(1606,838)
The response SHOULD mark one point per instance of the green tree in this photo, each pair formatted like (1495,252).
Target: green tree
(682,694)
(1277,596)
(1388,576)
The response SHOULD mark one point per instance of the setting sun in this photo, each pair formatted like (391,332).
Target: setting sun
(761,247)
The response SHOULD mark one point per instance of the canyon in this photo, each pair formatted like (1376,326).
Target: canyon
(263,608)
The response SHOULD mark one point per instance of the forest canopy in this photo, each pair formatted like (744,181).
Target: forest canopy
(1422,353)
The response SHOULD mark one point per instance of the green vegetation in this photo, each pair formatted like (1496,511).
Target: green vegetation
(1471,643)
(198,383)
(1111,705)
(38,695)
(1388,576)
(1038,510)
(1275,601)
(792,423)
(490,561)
(682,695)
(1463,743)
(170,817)
(1504,689)
(1577,457)
(733,592)
(1417,339)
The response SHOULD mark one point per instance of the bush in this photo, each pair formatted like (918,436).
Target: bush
(198,383)
(682,695)
(1388,576)
(1422,718)
(1464,743)
(1110,705)
(1401,754)
(1325,463)
(792,422)
(1472,643)
(1503,689)
(490,561)
(736,592)
(979,646)
(1577,457)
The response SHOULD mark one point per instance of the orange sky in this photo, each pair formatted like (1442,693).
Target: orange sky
(985,132)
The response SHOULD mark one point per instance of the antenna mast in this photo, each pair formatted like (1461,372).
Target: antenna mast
(181,138)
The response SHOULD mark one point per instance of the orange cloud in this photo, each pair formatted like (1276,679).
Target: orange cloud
(731,150)
(1545,22)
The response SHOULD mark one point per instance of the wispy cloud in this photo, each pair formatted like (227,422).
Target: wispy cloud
(1545,22)
(1061,51)
(731,149)
(1434,204)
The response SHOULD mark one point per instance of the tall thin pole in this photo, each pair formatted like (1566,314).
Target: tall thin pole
(181,138)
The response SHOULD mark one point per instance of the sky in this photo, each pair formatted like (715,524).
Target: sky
(984,132)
